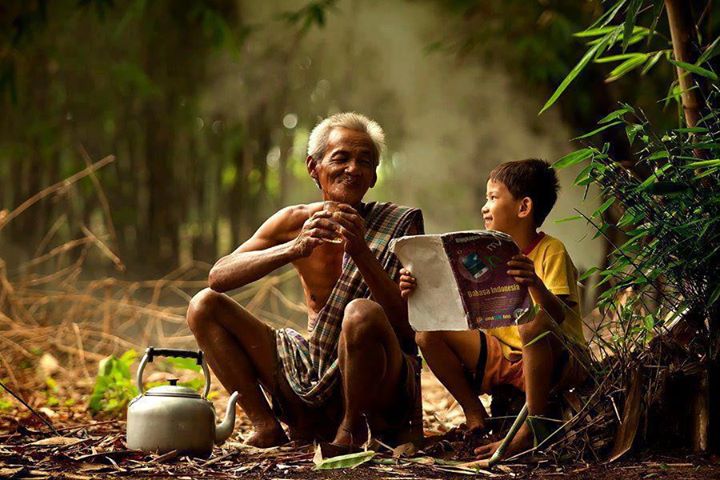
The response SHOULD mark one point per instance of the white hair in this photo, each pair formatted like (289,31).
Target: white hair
(317,144)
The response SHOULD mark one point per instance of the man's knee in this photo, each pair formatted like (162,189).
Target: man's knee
(362,318)
(202,308)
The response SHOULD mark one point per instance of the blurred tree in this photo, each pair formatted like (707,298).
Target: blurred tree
(131,78)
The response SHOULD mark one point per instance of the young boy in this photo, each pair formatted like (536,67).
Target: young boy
(535,356)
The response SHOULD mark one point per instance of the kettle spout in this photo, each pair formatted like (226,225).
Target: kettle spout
(225,428)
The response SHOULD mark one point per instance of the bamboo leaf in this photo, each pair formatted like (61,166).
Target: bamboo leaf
(667,188)
(598,130)
(712,50)
(583,177)
(573,158)
(692,130)
(658,155)
(569,219)
(613,115)
(653,60)
(654,177)
(538,338)
(714,297)
(606,204)
(630,17)
(608,16)
(631,131)
(656,14)
(627,66)
(594,32)
(704,164)
(589,55)
(588,274)
(696,70)
(350,460)
(615,58)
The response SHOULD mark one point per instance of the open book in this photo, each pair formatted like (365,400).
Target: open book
(462,281)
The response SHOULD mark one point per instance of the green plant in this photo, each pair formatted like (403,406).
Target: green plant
(5,403)
(114,386)
(661,320)
(671,220)
(52,390)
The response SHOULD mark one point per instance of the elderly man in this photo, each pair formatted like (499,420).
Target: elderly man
(358,368)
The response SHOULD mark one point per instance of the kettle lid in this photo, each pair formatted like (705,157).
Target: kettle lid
(172,390)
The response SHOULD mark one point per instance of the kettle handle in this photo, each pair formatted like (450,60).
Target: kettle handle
(153,352)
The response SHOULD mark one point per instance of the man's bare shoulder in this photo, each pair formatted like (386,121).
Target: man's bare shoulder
(287,222)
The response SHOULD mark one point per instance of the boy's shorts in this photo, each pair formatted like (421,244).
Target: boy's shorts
(494,369)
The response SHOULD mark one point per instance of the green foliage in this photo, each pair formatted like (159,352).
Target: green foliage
(5,400)
(183,363)
(665,268)
(350,460)
(621,36)
(671,218)
(114,386)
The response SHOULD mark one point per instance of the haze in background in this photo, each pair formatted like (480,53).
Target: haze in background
(448,123)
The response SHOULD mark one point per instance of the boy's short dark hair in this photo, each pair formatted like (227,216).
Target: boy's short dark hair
(532,178)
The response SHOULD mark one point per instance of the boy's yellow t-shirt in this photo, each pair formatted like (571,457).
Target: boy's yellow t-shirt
(555,268)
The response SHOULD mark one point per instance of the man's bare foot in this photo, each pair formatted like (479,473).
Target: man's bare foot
(266,437)
(351,436)
(301,436)
(523,440)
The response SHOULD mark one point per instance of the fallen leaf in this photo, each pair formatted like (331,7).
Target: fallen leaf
(351,460)
(57,441)
(11,472)
(405,450)
(50,413)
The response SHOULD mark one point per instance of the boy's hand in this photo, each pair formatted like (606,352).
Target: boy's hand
(522,269)
(408,284)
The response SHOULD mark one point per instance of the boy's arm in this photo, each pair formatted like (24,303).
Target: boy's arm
(522,269)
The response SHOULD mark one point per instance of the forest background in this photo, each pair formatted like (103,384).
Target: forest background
(207,106)
(152,137)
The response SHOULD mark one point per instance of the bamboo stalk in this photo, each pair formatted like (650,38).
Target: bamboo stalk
(681,27)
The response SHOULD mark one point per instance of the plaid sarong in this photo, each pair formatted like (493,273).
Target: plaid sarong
(310,365)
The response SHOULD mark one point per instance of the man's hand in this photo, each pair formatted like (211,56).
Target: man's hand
(522,269)
(352,229)
(408,283)
(316,230)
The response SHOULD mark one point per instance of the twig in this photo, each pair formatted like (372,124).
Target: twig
(101,194)
(30,408)
(104,248)
(54,188)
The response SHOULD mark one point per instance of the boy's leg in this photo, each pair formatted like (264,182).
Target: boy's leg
(541,354)
(240,349)
(450,355)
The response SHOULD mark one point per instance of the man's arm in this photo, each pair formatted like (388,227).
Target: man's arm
(384,289)
(288,235)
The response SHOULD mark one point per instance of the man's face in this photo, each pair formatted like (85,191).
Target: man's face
(501,211)
(347,170)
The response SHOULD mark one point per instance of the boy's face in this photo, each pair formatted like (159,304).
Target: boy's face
(501,211)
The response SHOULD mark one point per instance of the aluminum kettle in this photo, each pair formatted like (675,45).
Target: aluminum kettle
(172,417)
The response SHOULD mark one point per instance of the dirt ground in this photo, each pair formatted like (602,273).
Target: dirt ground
(92,448)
